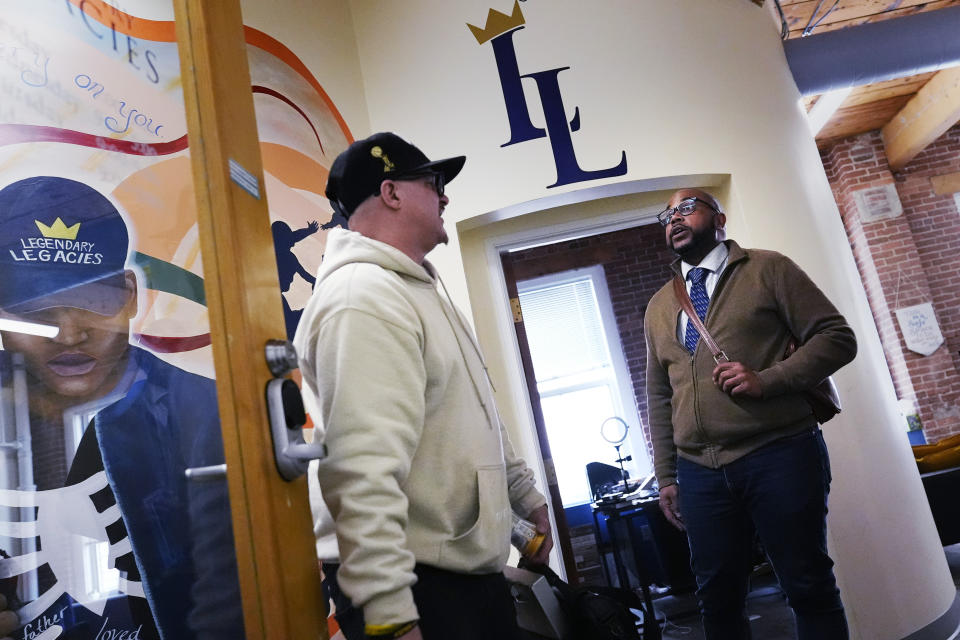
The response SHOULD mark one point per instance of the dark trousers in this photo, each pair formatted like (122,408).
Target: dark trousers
(778,492)
(452,606)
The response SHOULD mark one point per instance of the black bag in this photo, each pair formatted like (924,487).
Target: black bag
(824,399)
(598,613)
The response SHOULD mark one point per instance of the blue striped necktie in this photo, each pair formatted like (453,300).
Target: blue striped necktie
(700,299)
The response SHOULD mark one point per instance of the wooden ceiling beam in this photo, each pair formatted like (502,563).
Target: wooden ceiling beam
(888,89)
(870,106)
(926,117)
(799,13)
(851,120)
(856,12)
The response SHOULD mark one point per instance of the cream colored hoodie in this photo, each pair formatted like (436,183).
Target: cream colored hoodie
(419,468)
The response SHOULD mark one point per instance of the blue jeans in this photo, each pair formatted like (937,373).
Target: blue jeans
(778,492)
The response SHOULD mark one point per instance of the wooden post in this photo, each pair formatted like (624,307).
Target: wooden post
(927,116)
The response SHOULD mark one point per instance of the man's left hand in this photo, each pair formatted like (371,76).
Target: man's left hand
(736,379)
(541,518)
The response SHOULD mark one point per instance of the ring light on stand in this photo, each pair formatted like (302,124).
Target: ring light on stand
(614,430)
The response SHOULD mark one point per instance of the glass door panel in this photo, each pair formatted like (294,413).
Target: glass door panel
(114,515)
(300,131)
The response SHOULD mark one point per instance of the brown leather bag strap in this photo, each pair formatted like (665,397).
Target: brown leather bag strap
(680,290)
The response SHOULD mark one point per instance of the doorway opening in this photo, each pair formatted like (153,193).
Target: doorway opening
(582,302)
(552,235)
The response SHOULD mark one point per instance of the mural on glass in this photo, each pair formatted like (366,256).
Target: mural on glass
(301,132)
(106,371)
(107,392)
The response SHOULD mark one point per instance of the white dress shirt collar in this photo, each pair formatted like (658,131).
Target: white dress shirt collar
(713,261)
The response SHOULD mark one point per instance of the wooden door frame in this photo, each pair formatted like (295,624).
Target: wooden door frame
(273,532)
(561,529)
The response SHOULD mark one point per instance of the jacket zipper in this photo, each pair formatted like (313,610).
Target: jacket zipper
(709,447)
(708,444)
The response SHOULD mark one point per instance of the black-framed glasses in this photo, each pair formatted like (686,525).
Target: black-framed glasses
(685,207)
(439,183)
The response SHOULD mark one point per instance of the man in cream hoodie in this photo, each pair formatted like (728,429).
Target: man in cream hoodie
(420,476)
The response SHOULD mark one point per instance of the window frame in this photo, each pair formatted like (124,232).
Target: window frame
(624,398)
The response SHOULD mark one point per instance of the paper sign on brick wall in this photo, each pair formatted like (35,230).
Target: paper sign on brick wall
(920,329)
(878,203)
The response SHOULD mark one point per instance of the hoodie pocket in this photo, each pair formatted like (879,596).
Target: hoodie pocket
(487,541)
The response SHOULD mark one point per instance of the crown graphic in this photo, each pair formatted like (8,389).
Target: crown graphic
(498,23)
(58,230)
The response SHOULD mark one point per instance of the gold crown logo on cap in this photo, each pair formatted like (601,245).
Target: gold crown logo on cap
(498,23)
(377,152)
(58,230)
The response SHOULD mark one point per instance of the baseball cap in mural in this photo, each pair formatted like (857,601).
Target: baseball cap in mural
(356,174)
(62,244)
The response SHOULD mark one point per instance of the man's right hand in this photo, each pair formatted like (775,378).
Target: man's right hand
(670,505)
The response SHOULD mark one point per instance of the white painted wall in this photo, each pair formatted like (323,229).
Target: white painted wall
(684,87)
(320,34)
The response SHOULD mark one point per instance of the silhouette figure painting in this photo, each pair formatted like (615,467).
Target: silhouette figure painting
(337,220)
(288,265)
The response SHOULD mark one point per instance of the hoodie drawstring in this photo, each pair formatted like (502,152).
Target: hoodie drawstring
(476,349)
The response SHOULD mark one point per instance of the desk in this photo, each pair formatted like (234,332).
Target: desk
(643,541)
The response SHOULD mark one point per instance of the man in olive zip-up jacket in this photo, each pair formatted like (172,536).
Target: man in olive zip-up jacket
(737,449)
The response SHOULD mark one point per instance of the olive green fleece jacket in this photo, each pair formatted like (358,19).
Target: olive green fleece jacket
(761,299)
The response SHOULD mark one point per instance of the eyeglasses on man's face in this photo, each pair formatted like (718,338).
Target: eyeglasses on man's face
(435,178)
(685,207)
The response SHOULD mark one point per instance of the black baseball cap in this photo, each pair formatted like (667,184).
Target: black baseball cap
(62,244)
(356,174)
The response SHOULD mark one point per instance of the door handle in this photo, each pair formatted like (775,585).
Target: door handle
(287,415)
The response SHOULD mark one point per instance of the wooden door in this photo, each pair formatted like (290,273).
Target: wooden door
(132,375)
(277,566)
(563,531)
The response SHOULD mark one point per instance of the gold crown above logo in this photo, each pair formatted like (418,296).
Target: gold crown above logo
(58,230)
(498,23)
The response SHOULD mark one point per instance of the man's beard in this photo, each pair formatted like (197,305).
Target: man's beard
(694,240)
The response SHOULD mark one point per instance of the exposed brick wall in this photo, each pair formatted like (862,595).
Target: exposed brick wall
(908,260)
(635,263)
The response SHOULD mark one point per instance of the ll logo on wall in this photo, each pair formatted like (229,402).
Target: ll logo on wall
(499,31)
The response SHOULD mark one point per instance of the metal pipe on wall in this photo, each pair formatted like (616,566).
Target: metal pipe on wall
(875,51)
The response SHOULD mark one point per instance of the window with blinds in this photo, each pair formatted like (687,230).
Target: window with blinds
(581,374)
(567,337)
